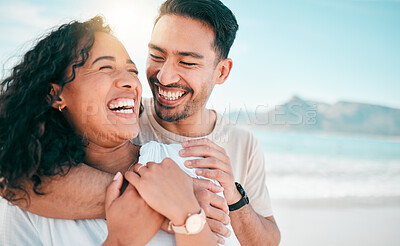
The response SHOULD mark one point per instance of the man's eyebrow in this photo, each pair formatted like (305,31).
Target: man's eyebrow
(192,54)
(181,53)
(112,58)
(155,47)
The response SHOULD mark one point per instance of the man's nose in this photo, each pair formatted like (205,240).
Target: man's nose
(168,73)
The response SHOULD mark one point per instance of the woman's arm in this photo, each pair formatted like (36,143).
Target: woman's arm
(169,191)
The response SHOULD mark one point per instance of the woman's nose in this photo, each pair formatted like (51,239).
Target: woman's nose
(127,80)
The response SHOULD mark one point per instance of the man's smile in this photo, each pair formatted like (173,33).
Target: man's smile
(170,96)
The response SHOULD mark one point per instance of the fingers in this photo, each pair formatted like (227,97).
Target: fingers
(216,174)
(205,151)
(218,227)
(208,185)
(207,198)
(136,168)
(140,168)
(165,225)
(216,214)
(219,202)
(219,239)
(133,178)
(209,162)
(203,141)
(113,190)
(167,161)
(204,147)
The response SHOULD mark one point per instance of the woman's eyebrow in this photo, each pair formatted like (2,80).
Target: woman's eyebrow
(129,61)
(112,58)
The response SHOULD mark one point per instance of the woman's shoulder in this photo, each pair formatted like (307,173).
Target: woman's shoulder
(20,227)
(16,226)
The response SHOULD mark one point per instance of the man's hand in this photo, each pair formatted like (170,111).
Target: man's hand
(215,165)
(125,216)
(214,206)
(249,227)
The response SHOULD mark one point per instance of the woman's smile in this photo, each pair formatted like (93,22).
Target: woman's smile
(122,107)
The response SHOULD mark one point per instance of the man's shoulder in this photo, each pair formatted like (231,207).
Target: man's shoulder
(236,133)
(229,126)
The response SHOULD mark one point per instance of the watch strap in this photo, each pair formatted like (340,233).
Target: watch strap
(182,229)
(177,229)
(242,202)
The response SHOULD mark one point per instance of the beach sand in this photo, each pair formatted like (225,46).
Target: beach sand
(344,222)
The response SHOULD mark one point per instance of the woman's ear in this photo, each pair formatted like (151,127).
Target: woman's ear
(224,69)
(58,101)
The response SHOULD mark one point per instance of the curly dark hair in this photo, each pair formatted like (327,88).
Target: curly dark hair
(36,140)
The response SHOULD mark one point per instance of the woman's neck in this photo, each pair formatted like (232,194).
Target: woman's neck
(112,159)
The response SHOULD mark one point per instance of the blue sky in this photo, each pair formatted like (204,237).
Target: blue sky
(325,50)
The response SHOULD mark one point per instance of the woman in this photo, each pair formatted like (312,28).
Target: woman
(75,98)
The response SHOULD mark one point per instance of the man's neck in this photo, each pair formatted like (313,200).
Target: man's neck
(199,124)
(112,159)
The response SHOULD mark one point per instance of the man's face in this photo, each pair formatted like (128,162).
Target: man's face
(181,66)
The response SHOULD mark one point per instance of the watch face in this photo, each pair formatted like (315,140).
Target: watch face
(194,224)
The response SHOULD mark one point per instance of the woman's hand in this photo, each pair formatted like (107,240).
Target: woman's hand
(214,206)
(166,188)
(126,215)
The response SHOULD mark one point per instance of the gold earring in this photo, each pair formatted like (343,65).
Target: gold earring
(59,108)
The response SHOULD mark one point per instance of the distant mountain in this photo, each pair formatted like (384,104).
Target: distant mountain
(343,117)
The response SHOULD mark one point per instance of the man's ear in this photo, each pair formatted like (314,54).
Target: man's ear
(59,101)
(224,69)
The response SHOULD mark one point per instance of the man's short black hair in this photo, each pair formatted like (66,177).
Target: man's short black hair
(212,12)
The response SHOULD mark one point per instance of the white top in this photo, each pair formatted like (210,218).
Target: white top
(19,227)
(247,157)
(156,152)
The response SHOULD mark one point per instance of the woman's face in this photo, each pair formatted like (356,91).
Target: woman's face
(102,102)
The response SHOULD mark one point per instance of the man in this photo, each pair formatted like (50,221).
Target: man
(188,54)
(187,58)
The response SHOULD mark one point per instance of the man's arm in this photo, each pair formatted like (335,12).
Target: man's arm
(81,195)
(78,195)
(253,229)
(250,227)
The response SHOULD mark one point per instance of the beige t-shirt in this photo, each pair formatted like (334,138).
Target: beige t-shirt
(247,158)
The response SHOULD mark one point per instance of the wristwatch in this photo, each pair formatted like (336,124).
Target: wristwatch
(241,202)
(193,224)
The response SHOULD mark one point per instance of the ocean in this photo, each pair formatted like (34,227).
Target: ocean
(313,166)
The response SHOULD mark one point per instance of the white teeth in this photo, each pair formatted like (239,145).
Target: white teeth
(124,102)
(170,95)
(125,111)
